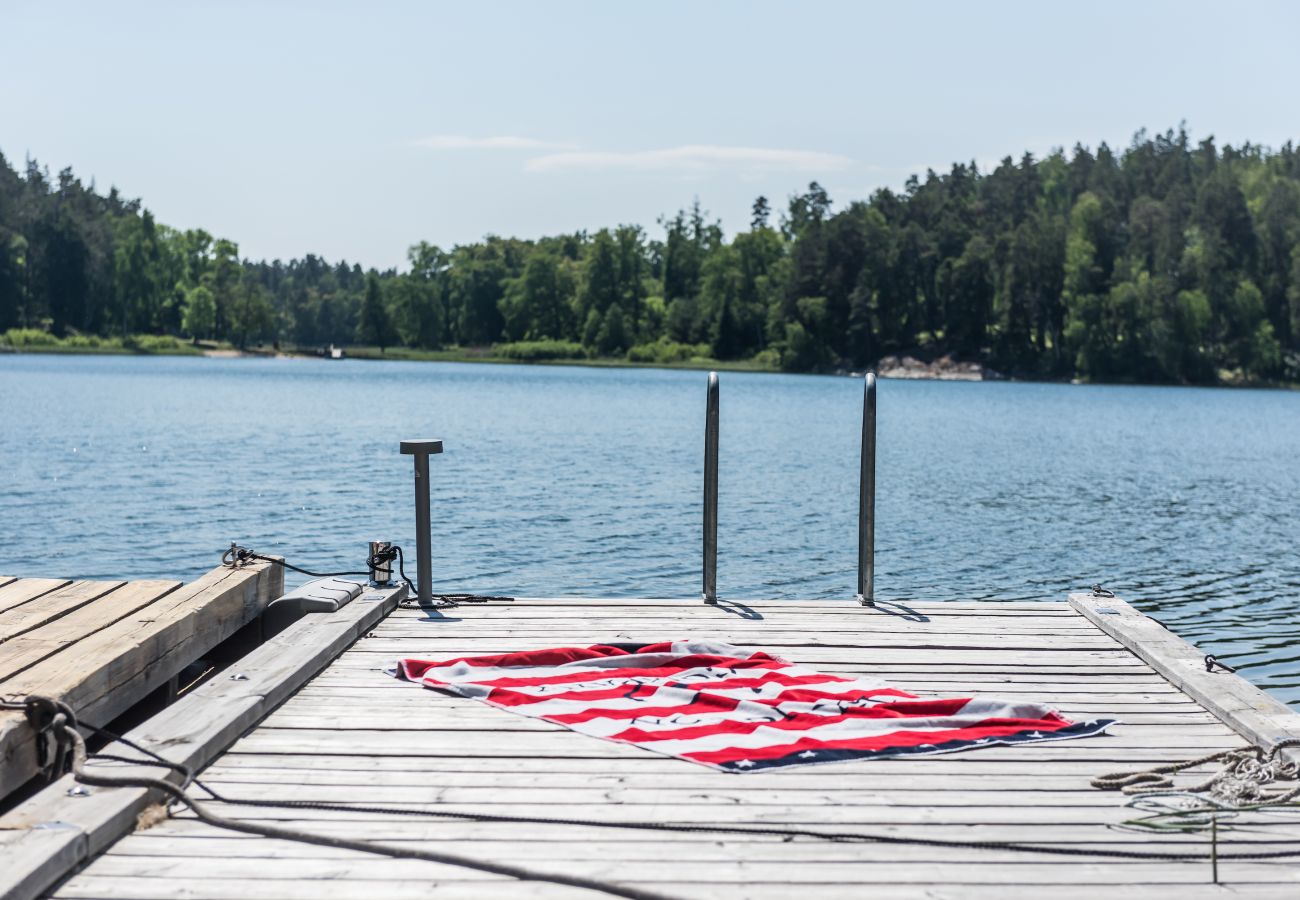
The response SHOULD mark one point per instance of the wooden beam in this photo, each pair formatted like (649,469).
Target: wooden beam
(30,616)
(118,665)
(1260,718)
(70,624)
(55,835)
(24,590)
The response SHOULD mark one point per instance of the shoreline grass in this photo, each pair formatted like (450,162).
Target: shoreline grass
(154,345)
(31,340)
(484,355)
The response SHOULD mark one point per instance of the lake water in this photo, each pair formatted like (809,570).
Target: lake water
(566,480)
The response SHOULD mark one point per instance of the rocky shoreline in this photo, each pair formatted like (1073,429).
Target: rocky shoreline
(945,368)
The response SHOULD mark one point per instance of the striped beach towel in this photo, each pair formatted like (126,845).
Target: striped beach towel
(734,709)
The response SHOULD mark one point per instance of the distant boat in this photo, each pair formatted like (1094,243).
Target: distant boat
(332,353)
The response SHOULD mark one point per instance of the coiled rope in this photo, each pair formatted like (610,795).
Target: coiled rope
(1238,786)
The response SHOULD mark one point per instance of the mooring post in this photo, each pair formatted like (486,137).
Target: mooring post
(422,449)
(711,492)
(867,497)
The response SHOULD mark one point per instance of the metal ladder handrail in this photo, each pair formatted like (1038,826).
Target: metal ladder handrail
(866,495)
(711,491)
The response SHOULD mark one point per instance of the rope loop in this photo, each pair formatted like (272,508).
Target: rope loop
(1212,662)
(236,557)
(1239,786)
(52,720)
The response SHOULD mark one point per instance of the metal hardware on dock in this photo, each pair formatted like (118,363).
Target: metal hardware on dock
(381,563)
(866,586)
(867,497)
(422,449)
(711,492)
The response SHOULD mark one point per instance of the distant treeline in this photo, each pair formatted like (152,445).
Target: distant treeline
(1170,261)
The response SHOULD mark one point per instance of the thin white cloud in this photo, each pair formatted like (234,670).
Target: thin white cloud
(499,142)
(691,158)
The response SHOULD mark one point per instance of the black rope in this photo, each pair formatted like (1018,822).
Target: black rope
(62,722)
(834,836)
(413,602)
(238,556)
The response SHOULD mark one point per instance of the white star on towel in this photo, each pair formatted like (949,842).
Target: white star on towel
(983,740)
(1035,734)
(807,754)
(745,764)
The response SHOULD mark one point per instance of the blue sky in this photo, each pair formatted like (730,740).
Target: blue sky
(353,130)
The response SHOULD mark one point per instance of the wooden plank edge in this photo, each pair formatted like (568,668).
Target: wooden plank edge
(124,600)
(848,604)
(22,620)
(57,833)
(46,585)
(1254,714)
(135,655)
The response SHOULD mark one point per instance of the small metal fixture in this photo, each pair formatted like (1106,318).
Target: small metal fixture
(867,497)
(711,492)
(422,449)
(381,564)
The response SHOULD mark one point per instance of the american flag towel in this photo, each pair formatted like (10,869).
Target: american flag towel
(734,709)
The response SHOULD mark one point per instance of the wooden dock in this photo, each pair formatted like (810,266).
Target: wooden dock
(104,646)
(311,716)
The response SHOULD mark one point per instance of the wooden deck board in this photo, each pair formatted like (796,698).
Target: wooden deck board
(353,735)
(75,612)
(24,590)
(29,616)
(102,647)
(843,871)
(253,888)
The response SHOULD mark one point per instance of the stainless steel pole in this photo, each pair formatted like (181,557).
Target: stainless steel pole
(867,497)
(711,492)
(421,449)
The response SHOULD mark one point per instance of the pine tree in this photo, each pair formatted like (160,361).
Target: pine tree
(376,326)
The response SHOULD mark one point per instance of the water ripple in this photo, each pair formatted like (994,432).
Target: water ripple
(566,481)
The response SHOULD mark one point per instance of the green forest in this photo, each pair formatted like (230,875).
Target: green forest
(1169,261)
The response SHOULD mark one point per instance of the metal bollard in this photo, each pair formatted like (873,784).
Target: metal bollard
(711,492)
(867,497)
(422,449)
(381,571)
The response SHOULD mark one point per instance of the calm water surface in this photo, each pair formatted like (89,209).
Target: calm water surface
(586,481)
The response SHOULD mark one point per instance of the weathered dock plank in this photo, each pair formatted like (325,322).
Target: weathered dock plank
(1262,719)
(352,735)
(73,617)
(252,888)
(22,590)
(28,616)
(128,641)
(191,732)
